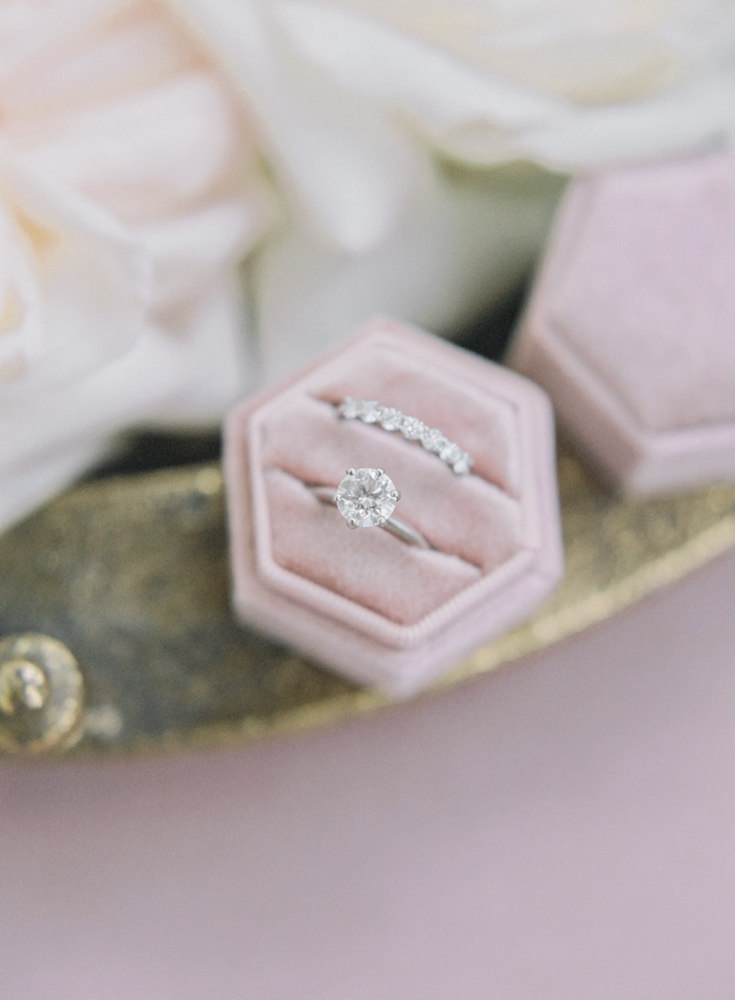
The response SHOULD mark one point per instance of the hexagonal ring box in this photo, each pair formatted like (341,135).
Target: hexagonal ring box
(630,324)
(363,602)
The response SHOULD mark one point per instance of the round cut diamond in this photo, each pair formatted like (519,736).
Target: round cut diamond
(450,452)
(366,498)
(351,409)
(371,411)
(411,428)
(390,418)
(433,439)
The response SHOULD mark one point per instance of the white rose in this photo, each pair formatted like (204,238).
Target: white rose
(361,103)
(568,83)
(129,190)
(384,124)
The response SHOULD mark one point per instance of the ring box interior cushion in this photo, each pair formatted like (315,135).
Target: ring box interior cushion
(362,601)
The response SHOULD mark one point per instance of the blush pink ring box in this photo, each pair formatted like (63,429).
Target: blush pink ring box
(363,602)
(631,324)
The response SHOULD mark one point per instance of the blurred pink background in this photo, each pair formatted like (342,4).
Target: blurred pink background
(561,830)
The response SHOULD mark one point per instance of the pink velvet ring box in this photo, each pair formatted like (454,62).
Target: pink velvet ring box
(362,601)
(631,323)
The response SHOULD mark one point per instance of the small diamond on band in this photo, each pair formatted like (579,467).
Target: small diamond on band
(369,411)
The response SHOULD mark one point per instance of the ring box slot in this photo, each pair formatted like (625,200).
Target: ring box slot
(373,568)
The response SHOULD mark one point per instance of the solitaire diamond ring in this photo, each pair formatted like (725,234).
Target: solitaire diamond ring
(371,412)
(366,498)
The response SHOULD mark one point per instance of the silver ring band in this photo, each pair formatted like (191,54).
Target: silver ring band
(397,528)
(369,411)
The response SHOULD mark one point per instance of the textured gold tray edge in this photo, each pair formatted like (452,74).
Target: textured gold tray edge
(618,551)
(544,630)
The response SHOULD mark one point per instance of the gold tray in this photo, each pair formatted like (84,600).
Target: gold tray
(131,574)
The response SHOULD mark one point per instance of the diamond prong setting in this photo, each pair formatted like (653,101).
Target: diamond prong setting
(366,498)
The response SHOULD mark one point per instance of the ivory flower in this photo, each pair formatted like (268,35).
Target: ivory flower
(129,190)
(568,83)
(130,184)
(363,102)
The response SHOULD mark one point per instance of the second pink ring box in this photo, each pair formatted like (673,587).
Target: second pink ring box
(363,602)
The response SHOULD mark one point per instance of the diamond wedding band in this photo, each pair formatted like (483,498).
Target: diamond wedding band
(366,498)
(371,412)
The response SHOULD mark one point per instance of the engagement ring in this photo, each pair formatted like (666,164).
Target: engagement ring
(366,498)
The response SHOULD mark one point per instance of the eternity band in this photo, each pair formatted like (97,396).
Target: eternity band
(369,411)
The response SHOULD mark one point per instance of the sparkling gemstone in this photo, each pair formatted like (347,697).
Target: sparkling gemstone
(351,408)
(450,453)
(390,418)
(433,439)
(411,428)
(370,411)
(463,465)
(366,498)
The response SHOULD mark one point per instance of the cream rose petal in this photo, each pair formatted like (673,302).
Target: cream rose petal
(81,68)
(85,311)
(372,59)
(31,30)
(89,278)
(351,171)
(100,365)
(149,155)
(133,189)
(698,117)
(190,252)
(489,82)
(116,393)
(218,367)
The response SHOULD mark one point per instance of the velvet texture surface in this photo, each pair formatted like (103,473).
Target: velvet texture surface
(630,324)
(362,601)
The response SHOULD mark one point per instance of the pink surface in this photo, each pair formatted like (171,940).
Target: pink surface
(362,601)
(562,830)
(630,325)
